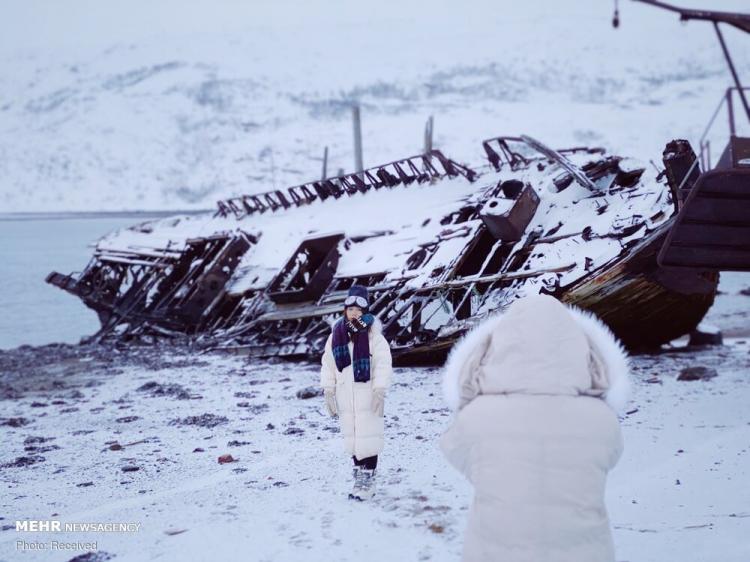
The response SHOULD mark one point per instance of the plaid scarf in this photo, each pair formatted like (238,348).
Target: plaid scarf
(357,330)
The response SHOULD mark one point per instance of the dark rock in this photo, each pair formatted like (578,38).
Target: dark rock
(84,484)
(127,419)
(157,389)
(37,439)
(236,443)
(258,408)
(21,462)
(293,431)
(309,392)
(204,420)
(697,374)
(130,468)
(14,422)
(98,556)
(704,336)
(198,450)
(37,449)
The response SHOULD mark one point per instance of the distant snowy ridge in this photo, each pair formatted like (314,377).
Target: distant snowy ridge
(181,119)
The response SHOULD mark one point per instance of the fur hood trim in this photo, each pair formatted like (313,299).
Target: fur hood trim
(469,350)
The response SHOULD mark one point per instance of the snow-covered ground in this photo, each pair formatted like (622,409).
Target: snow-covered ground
(679,493)
(164,105)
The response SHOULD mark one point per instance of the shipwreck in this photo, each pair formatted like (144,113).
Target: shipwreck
(440,244)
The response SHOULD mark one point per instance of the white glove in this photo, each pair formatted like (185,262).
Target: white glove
(329,393)
(378,400)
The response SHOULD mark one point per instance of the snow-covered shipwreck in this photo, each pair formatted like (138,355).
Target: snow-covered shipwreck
(440,245)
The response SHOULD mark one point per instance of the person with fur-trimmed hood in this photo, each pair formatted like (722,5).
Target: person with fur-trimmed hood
(536,392)
(355,375)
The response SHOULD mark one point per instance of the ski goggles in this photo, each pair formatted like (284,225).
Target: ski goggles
(352,300)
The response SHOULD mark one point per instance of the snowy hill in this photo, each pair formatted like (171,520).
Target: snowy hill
(173,106)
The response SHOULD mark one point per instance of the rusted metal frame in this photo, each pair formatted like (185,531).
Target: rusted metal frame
(423,302)
(510,276)
(273,200)
(386,178)
(146,251)
(312,325)
(452,167)
(397,312)
(376,301)
(128,261)
(242,324)
(218,246)
(496,247)
(727,56)
(168,299)
(141,316)
(427,172)
(249,310)
(288,329)
(404,308)
(441,304)
(404,178)
(351,183)
(189,276)
(222,258)
(487,292)
(309,195)
(467,294)
(511,158)
(95,277)
(220,319)
(230,318)
(117,317)
(120,273)
(587,149)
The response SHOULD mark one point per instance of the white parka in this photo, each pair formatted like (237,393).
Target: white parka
(536,392)
(361,427)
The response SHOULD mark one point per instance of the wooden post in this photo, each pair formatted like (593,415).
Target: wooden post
(428,134)
(358,167)
(324,175)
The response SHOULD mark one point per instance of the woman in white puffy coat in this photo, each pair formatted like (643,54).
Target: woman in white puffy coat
(355,374)
(536,391)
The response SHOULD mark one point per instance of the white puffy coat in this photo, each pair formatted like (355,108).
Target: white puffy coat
(537,390)
(361,427)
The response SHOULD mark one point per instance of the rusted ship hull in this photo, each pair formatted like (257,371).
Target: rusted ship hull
(645,304)
(439,244)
